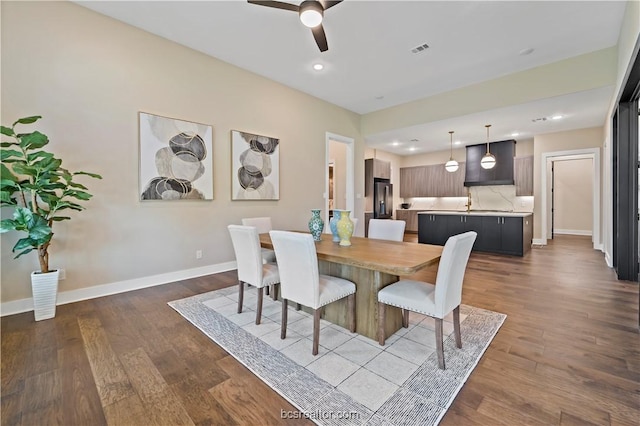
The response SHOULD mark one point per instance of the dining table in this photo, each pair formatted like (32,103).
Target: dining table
(371,264)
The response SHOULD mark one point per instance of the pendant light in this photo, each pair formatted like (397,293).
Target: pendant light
(451,165)
(488,160)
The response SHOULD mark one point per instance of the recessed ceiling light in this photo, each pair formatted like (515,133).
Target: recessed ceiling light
(413,148)
(457,143)
(395,143)
(514,134)
(556,117)
(318,67)
(527,51)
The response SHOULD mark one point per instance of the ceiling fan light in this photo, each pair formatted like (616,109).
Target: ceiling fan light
(488,161)
(311,13)
(451,165)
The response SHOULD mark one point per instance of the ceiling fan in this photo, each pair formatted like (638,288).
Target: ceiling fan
(311,13)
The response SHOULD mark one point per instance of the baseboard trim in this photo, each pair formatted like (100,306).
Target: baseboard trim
(573,232)
(539,242)
(26,305)
(607,259)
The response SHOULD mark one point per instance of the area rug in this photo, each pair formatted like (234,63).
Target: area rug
(353,380)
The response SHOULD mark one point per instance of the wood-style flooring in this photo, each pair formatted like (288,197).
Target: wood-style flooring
(568,354)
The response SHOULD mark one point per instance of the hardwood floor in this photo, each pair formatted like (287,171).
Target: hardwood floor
(568,353)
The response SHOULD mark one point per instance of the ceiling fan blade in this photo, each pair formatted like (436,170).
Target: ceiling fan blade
(327,4)
(276,4)
(321,38)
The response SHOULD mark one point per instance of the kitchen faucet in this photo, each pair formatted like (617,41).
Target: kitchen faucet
(468,205)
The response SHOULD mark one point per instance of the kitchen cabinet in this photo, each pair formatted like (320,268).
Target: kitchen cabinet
(375,169)
(433,228)
(523,175)
(410,217)
(431,181)
(500,174)
(496,234)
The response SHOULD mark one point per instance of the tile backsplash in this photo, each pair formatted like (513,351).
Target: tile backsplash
(497,197)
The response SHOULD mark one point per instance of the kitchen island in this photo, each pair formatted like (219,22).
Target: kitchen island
(498,231)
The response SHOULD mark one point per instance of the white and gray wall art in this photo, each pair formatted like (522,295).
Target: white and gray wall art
(255,167)
(174,159)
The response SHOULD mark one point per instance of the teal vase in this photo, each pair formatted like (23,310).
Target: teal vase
(345,228)
(316,224)
(333,225)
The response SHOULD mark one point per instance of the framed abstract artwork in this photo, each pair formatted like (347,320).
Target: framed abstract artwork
(255,167)
(175,159)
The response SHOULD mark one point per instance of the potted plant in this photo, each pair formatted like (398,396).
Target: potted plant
(37,187)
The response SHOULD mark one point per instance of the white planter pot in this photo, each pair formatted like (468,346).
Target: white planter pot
(45,294)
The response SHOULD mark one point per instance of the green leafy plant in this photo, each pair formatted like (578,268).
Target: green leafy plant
(35,184)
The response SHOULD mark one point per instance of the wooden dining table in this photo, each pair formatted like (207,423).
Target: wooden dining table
(372,265)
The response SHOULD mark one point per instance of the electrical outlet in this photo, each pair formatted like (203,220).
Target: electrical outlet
(62,274)
(198,254)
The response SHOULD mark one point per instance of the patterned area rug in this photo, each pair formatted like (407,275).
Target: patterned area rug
(353,380)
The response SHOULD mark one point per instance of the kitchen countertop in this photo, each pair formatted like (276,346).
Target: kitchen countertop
(476,213)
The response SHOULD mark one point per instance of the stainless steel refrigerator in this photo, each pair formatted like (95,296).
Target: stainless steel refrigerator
(382,199)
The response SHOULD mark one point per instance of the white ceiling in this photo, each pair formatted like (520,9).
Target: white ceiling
(370,66)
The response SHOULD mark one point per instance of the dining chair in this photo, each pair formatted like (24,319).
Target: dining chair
(301,282)
(386,229)
(251,268)
(355,224)
(436,300)
(263,224)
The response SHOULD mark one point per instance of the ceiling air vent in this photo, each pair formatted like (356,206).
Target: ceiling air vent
(535,120)
(420,48)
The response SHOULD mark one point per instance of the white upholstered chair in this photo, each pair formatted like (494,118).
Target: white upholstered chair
(263,224)
(355,224)
(386,229)
(301,282)
(251,268)
(433,300)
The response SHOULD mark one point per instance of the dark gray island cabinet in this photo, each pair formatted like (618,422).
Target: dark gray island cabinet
(498,232)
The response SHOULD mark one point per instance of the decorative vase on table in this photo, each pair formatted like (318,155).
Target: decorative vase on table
(45,293)
(345,228)
(316,224)
(333,225)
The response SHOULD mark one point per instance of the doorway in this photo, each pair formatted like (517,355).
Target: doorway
(548,159)
(339,179)
(571,196)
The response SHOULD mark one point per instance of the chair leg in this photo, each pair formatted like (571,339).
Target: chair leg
(274,292)
(351,300)
(316,330)
(240,296)
(381,337)
(439,343)
(405,318)
(267,290)
(259,307)
(456,326)
(283,323)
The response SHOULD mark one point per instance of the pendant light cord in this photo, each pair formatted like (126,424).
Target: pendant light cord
(487,126)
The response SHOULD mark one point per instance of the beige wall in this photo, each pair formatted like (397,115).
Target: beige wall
(573,197)
(626,50)
(557,142)
(89,76)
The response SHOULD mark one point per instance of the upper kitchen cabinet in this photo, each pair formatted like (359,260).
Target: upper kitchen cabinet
(523,171)
(500,174)
(375,169)
(431,181)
